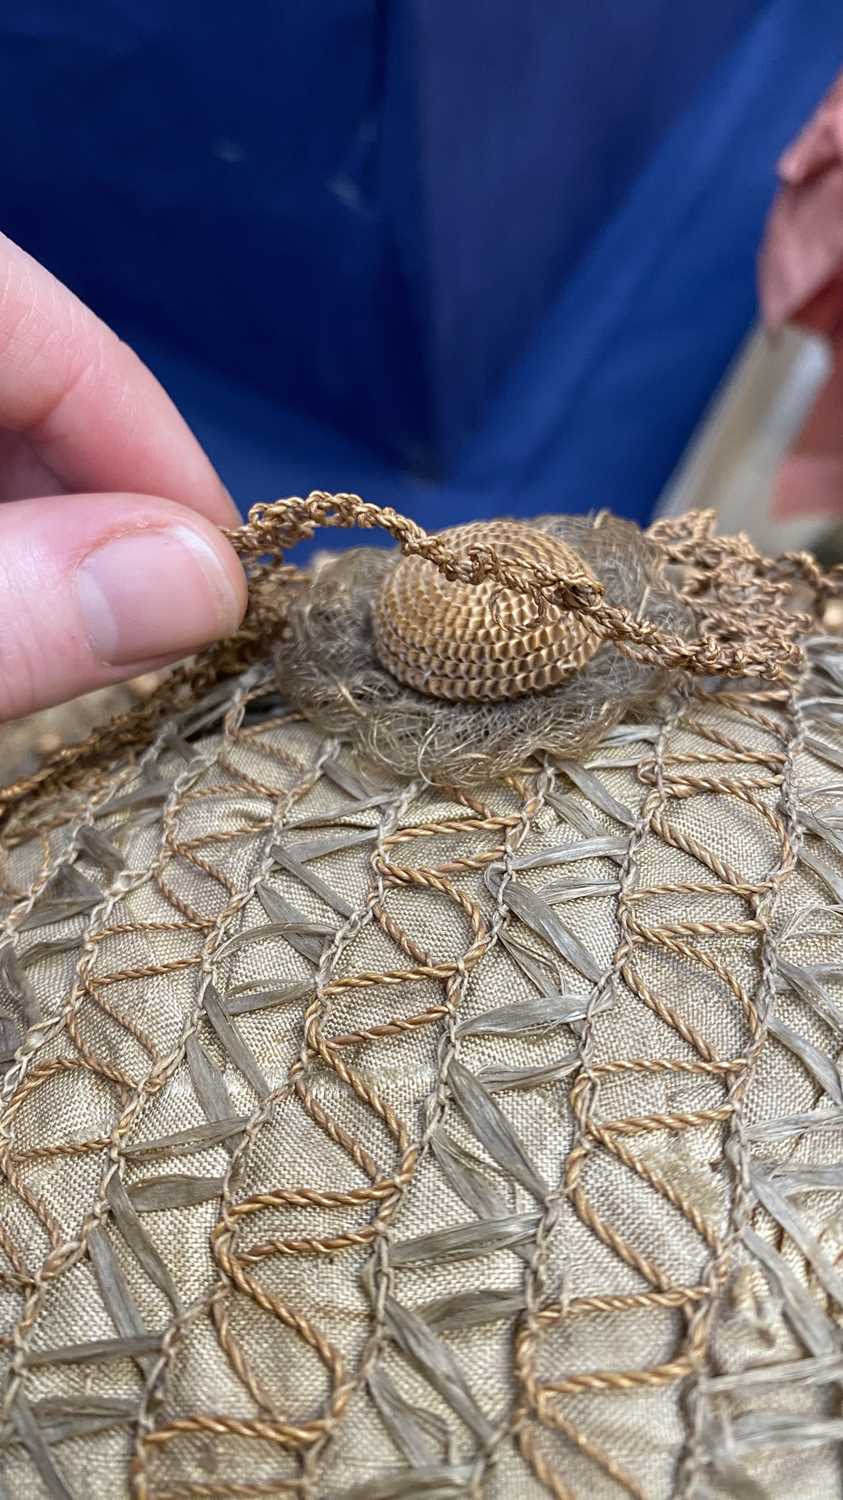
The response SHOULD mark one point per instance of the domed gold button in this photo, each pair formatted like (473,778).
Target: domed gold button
(481,643)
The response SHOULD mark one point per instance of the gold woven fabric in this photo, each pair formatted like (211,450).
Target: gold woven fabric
(364,1138)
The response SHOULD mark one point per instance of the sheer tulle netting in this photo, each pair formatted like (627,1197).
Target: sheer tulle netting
(374,1127)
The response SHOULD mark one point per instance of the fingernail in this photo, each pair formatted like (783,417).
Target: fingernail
(154,593)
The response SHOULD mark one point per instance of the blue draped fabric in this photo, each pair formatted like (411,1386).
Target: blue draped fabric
(466,258)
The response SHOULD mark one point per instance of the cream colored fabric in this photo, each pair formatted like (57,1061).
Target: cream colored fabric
(433,1251)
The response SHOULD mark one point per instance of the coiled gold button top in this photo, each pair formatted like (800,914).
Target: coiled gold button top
(481,642)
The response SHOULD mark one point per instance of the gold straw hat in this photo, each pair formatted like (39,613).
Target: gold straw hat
(406,1097)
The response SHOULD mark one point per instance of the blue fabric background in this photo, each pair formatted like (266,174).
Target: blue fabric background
(463,257)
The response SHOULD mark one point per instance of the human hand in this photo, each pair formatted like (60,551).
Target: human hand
(801,282)
(111,561)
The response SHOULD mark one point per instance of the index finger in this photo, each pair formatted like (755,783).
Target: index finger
(88,407)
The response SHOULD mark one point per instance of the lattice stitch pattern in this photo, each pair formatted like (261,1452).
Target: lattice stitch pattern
(363,1137)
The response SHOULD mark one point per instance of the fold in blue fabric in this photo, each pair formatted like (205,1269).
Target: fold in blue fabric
(602,407)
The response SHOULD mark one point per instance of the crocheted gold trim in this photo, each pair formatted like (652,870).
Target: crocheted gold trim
(742,603)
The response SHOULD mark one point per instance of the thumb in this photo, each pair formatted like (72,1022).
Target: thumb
(97,588)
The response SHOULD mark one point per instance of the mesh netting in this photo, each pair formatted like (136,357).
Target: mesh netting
(361,1137)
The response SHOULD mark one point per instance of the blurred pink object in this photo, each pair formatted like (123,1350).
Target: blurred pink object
(801,282)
